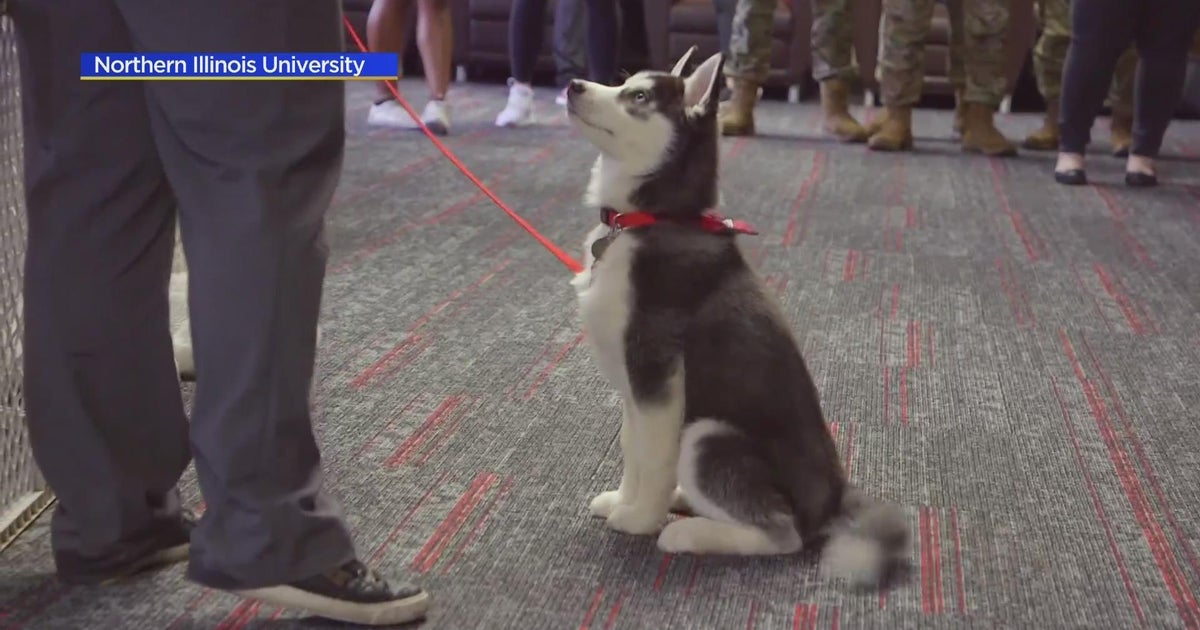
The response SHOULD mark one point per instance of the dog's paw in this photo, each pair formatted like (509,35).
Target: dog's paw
(682,536)
(604,503)
(632,520)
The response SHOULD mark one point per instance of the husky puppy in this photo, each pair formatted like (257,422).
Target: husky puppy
(720,415)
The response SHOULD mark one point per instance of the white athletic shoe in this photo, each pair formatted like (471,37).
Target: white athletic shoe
(390,114)
(519,109)
(561,99)
(437,117)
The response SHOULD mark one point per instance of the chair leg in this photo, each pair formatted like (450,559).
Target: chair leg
(460,74)
(793,96)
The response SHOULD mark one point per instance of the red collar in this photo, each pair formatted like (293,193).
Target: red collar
(710,222)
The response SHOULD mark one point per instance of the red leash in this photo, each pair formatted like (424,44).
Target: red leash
(562,256)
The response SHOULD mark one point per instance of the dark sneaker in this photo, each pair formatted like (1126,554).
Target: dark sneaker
(352,593)
(166,545)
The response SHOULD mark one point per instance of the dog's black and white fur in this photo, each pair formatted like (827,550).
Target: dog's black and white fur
(721,417)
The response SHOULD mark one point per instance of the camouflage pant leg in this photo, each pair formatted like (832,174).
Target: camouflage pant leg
(902,34)
(833,40)
(750,40)
(1050,55)
(1050,52)
(1120,93)
(958,45)
(985,27)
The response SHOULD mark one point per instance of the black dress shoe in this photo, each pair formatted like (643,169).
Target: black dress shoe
(1134,179)
(1073,177)
(165,544)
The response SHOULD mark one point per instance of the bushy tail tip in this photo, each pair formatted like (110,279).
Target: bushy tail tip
(867,542)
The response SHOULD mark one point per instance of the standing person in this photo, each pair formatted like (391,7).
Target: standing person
(1049,55)
(904,29)
(956,73)
(570,49)
(570,57)
(1101,30)
(833,65)
(387,31)
(526,25)
(250,167)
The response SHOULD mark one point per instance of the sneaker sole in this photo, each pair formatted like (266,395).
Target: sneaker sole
(522,122)
(437,128)
(407,123)
(376,614)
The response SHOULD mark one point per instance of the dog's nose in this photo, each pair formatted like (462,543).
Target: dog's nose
(577,86)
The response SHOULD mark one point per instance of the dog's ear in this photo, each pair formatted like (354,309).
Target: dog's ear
(682,63)
(702,89)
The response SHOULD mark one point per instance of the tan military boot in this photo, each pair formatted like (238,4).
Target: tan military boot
(980,133)
(876,123)
(960,108)
(1045,138)
(736,116)
(895,134)
(1121,130)
(835,97)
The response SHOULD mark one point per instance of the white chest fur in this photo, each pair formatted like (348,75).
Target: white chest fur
(605,300)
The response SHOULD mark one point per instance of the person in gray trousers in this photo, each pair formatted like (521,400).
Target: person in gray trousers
(570,54)
(250,169)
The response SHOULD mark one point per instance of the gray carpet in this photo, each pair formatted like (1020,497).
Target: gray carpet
(1013,361)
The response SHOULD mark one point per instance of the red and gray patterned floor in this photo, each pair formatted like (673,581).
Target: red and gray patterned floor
(1014,361)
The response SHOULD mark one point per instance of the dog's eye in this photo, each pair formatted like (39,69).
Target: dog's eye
(640,96)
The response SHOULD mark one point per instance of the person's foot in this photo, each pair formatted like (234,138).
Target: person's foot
(1046,137)
(1069,170)
(980,134)
(519,109)
(895,133)
(166,545)
(735,117)
(352,593)
(437,116)
(1139,172)
(390,113)
(835,106)
(561,99)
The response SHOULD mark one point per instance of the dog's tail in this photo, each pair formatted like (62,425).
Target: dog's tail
(866,541)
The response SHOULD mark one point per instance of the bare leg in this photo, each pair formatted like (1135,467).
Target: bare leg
(435,38)
(386,31)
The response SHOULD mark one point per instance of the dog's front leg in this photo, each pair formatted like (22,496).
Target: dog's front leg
(653,453)
(605,502)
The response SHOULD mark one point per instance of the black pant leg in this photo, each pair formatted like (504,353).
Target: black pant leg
(1100,31)
(1164,37)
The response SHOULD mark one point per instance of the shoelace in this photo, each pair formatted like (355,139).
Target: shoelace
(364,578)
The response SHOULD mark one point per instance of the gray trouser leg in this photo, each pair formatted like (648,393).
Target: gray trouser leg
(724,10)
(254,166)
(570,57)
(106,419)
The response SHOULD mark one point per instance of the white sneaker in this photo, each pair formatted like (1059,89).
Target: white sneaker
(390,114)
(519,109)
(561,99)
(437,117)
